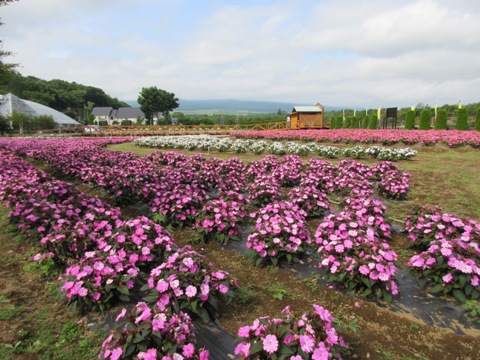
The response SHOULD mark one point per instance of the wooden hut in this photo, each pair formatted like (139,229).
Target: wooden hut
(306,117)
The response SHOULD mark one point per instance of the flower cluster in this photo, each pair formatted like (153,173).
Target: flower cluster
(151,333)
(308,336)
(184,283)
(264,190)
(280,233)
(180,206)
(394,184)
(311,200)
(219,219)
(450,259)
(351,248)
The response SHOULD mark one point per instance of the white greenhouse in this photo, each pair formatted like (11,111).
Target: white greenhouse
(10,103)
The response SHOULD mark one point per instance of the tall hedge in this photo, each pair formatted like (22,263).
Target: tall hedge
(346,122)
(332,122)
(477,120)
(365,121)
(462,119)
(441,122)
(354,122)
(410,120)
(425,119)
(339,122)
(372,124)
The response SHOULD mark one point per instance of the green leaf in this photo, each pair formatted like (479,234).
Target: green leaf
(124,298)
(366,281)
(387,296)
(123,290)
(150,298)
(145,287)
(256,347)
(462,280)
(437,288)
(459,295)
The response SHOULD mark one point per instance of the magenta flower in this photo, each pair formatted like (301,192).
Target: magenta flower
(242,349)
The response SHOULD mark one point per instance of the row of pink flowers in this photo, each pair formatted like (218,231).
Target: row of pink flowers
(450,138)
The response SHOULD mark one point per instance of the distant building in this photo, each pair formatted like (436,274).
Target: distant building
(306,117)
(10,104)
(115,116)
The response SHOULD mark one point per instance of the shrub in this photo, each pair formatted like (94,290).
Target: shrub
(410,120)
(462,119)
(372,124)
(354,123)
(339,122)
(441,122)
(365,122)
(425,119)
(126,122)
(333,122)
(346,122)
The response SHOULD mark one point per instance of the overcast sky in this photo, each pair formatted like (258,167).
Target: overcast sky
(366,53)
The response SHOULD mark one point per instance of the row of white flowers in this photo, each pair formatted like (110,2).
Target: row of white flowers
(222,144)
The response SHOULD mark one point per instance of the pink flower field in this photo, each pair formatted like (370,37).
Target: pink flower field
(283,212)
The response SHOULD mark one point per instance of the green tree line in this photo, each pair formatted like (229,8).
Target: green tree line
(69,98)
(451,111)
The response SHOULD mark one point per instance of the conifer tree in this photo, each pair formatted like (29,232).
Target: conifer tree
(365,121)
(462,119)
(441,122)
(410,120)
(425,119)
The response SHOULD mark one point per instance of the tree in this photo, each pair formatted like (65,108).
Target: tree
(425,119)
(441,122)
(372,124)
(462,119)
(410,120)
(365,122)
(154,101)
(354,122)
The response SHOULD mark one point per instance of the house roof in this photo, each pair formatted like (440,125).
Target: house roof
(313,109)
(129,113)
(102,111)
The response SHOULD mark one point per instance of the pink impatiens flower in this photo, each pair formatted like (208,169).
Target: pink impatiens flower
(270,344)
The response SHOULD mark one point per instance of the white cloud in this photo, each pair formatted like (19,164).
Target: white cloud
(347,52)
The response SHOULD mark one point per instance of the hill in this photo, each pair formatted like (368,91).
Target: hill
(232,106)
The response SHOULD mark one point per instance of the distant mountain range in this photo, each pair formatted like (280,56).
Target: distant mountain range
(233,106)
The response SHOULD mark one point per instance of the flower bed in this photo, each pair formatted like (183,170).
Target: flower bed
(222,144)
(451,138)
